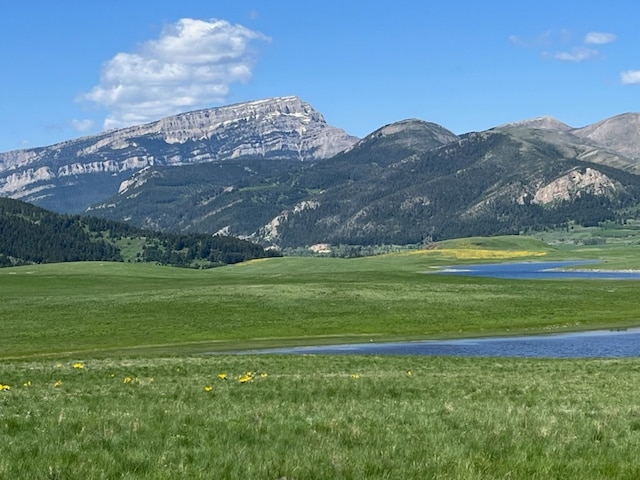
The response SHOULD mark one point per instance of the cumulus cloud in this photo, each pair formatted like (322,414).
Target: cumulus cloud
(191,65)
(599,38)
(630,77)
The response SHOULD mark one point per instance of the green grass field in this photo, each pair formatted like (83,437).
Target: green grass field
(110,308)
(146,402)
(307,417)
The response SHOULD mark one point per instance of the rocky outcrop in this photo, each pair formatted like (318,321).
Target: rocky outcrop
(574,184)
(270,232)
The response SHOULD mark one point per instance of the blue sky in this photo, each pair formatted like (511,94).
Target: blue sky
(73,68)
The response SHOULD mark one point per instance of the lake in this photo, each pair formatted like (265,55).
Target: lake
(538,271)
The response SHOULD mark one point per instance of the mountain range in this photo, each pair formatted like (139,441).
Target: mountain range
(274,172)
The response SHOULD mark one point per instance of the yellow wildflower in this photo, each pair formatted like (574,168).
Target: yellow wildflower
(4,387)
(355,375)
(127,380)
(409,373)
(78,365)
(58,383)
(27,383)
(208,388)
(244,379)
(263,374)
(222,376)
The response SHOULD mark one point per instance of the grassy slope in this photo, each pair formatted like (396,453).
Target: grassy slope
(95,307)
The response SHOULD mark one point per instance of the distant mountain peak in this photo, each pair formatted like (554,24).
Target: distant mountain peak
(411,133)
(412,124)
(620,133)
(544,122)
(201,123)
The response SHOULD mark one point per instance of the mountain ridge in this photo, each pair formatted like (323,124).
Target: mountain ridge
(280,128)
(401,185)
(409,181)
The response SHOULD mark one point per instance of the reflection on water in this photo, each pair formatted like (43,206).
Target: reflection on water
(591,344)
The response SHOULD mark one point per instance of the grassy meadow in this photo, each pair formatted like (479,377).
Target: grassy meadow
(308,417)
(112,370)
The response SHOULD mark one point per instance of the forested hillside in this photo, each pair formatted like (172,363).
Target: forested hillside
(29,234)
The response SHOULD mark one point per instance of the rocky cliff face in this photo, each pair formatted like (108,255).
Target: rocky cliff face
(92,168)
(574,184)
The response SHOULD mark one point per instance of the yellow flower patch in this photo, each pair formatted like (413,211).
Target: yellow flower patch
(477,253)
(251,262)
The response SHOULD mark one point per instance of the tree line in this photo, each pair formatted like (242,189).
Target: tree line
(29,234)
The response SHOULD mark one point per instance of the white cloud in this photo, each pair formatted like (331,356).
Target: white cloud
(562,39)
(191,65)
(599,38)
(630,77)
(82,125)
(578,54)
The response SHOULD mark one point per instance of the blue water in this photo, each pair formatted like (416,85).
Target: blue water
(591,344)
(538,271)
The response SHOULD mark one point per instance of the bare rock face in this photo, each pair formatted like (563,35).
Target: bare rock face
(573,184)
(92,168)
(276,127)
